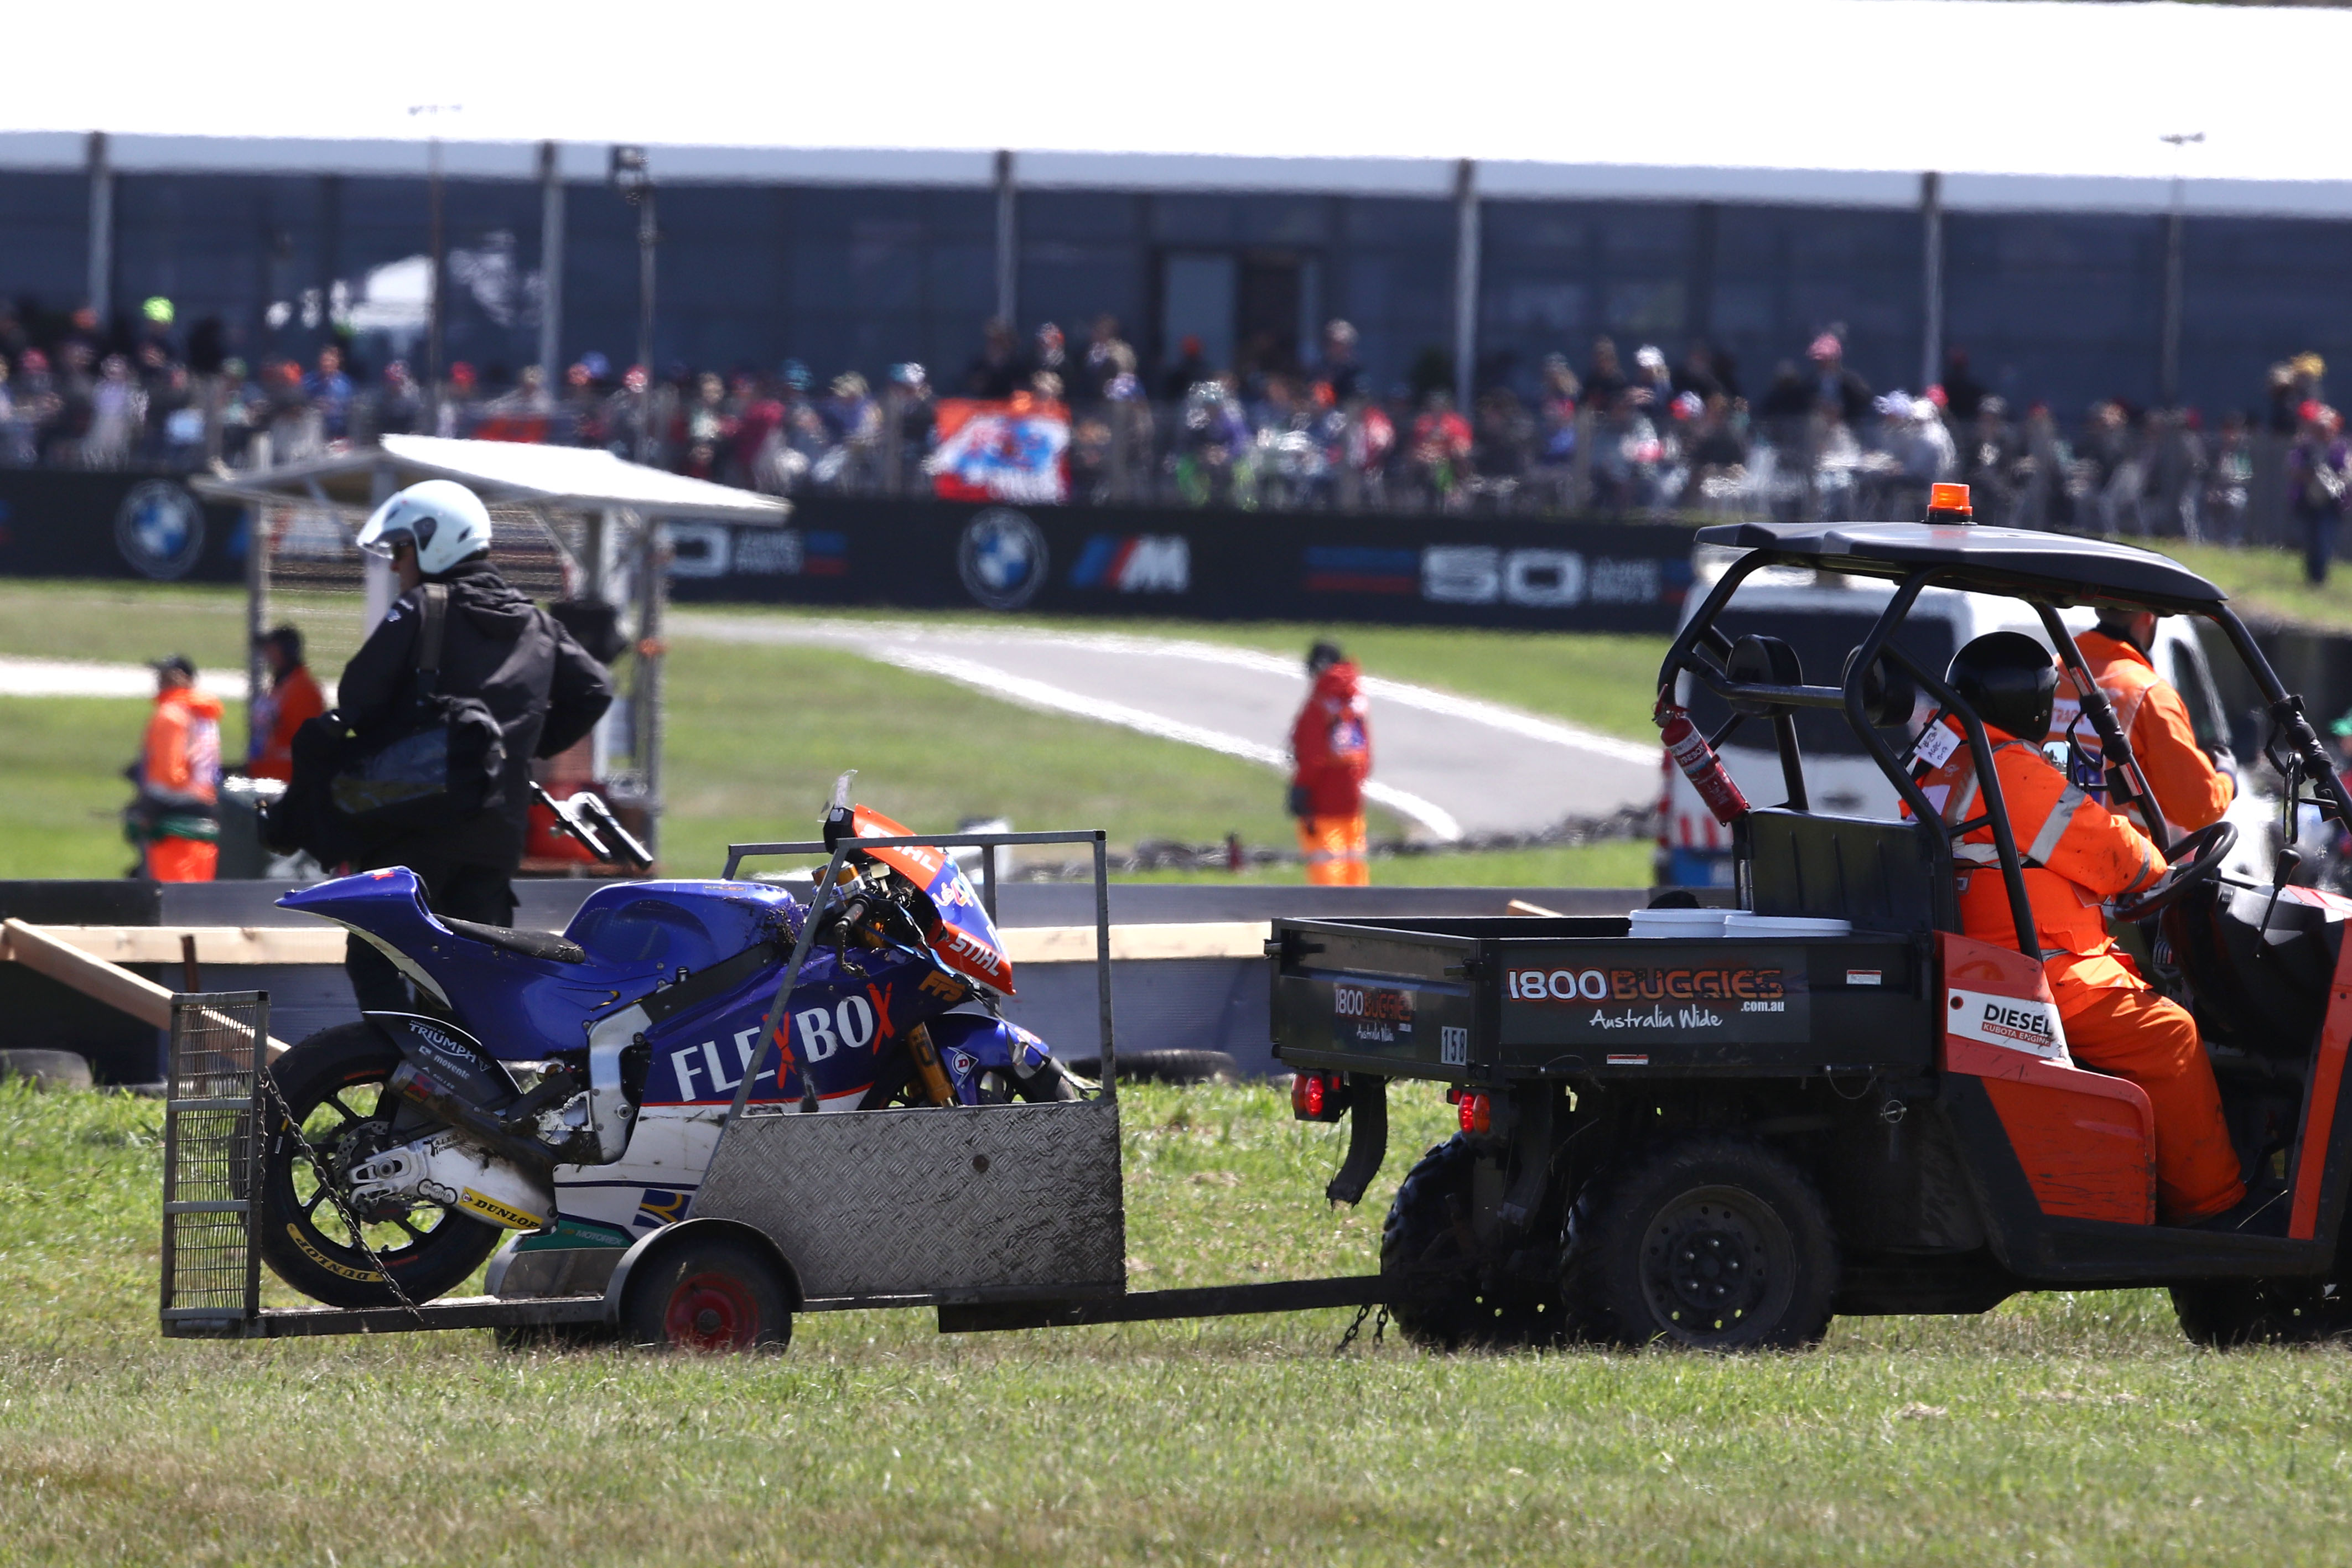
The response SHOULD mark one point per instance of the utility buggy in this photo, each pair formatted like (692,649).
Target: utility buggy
(1721,1127)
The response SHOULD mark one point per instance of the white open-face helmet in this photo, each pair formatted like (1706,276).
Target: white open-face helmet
(445,522)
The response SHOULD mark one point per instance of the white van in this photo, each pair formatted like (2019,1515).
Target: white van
(1824,618)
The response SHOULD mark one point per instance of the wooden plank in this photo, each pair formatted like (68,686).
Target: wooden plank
(103,981)
(1130,943)
(317,943)
(94,978)
(323,943)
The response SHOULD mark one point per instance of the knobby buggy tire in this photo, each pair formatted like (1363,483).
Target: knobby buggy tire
(1713,1243)
(2227,1314)
(333,1084)
(1446,1292)
(709,1293)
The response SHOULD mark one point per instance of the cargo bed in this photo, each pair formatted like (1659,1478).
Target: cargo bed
(1499,999)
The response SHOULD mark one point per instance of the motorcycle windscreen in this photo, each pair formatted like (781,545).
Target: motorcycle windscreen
(965,939)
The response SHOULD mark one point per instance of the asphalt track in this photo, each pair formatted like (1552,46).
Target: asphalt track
(84,677)
(1453,766)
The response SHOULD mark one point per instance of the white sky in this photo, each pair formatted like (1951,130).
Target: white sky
(1990,86)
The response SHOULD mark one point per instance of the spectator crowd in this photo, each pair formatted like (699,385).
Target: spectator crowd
(1622,432)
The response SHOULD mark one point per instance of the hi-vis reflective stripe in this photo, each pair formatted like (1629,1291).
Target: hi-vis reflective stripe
(1963,801)
(2054,826)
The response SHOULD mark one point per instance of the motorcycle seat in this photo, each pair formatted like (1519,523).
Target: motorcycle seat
(542,945)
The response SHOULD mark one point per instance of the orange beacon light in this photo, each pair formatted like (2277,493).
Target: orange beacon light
(1950,503)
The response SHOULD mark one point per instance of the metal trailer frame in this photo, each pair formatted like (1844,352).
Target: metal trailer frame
(748,1174)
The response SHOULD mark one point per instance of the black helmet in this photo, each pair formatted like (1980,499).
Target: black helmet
(2010,681)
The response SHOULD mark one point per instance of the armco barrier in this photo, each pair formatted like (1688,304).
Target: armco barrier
(1204,564)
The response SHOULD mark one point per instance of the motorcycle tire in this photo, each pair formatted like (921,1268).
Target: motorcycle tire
(711,1294)
(333,1085)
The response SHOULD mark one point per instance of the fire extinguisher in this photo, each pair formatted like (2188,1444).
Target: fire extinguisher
(1700,764)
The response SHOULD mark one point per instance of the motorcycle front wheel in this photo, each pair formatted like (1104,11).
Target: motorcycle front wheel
(334,1087)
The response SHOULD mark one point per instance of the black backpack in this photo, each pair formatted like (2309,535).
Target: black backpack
(353,790)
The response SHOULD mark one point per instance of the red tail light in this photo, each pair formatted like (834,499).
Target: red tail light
(1319,1095)
(1477,1114)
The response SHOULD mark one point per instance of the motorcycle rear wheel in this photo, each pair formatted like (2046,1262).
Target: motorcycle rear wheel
(333,1085)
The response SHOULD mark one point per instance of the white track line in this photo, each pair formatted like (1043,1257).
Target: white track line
(1038,694)
(82,677)
(1493,715)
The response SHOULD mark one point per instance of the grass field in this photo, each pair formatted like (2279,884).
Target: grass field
(1604,681)
(62,785)
(2268,585)
(758,733)
(2058,1429)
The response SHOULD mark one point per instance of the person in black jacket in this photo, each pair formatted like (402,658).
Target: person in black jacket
(541,687)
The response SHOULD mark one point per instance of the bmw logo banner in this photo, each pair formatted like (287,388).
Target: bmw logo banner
(60,523)
(1002,559)
(1014,557)
(159,530)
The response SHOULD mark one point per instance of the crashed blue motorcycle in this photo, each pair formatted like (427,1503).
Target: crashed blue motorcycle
(579,1081)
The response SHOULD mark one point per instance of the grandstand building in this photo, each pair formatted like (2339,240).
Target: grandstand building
(2021,180)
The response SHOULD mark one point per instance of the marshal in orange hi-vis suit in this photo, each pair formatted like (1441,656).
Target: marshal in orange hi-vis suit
(174,822)
(293,700)
(2190,790)
(1332,747)
(2076,853)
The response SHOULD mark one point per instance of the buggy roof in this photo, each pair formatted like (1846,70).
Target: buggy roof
(576,478)
(2058,567)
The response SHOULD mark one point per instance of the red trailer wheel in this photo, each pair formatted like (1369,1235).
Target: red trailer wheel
(712,1294)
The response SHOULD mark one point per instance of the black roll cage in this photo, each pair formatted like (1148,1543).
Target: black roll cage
(2293,748)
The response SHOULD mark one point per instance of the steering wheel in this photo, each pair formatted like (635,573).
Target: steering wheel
(2196,860)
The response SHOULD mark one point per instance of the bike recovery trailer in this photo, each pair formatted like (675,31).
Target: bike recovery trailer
(996,1217)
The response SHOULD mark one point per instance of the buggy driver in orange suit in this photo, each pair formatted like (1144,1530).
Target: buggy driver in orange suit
(2189,788)
(2077,854)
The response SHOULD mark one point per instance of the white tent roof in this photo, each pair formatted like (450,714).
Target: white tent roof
(580,478)
(2018,102)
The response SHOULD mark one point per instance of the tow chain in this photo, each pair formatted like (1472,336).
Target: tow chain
(1379,1328)
(327,1186)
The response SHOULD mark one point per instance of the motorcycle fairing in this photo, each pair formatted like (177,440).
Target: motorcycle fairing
(965,939)
(641,939)
(637,935)
(843,1024)
(843,1019)
(665,927)
(972,1043)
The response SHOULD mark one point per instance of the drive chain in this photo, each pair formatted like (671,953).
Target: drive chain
(335,1196)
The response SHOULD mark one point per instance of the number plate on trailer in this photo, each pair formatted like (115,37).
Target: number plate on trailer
(1410,1021)
(1628,999)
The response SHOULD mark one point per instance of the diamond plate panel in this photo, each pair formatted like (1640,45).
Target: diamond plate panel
(933,1201)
